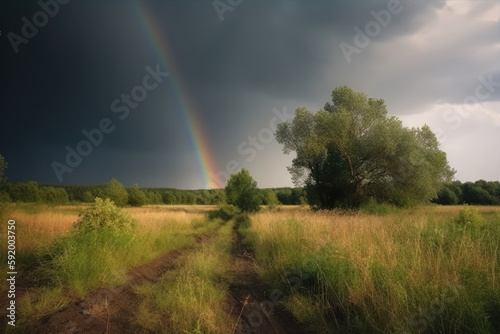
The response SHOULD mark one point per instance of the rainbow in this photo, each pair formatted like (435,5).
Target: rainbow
(199,140)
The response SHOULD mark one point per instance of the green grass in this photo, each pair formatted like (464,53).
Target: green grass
(371,207)
(191,299)
(36,208)
(70,265)
(431,269)
(77,263)
(411,274)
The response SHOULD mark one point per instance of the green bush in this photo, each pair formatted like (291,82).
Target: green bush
(104,214)
(225,212)
(469,216)
(115,191)
(371,207)
(241,191)
(136,197)
(53,195)
(4,197)
(270,199)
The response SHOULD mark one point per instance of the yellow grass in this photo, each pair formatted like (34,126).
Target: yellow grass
(391,242)
(365,237)
(38,225)
(155,217)
(35,230)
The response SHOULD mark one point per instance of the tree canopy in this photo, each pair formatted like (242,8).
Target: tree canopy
(115,191)
(242,192)
(352,150)
(480,192)
(136,197)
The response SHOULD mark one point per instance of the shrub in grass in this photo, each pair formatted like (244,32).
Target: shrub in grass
(104,214)
(4,197)
(371,207)
(225,213)
(243,221)
(469,216)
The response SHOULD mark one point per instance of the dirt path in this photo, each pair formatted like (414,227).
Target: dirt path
(256,306)
(108,310)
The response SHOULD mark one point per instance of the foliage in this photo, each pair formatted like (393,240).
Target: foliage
(241,191)
(225,212)
(480,192)
(53,195)
(33,192)
(115,191)
(81,262)
(104,214)
(352,151)
(24,191)
(153,197)
(3,166)
(270,199)
(447,197)
(371,207)
(169,198)
(136,196)
(469,216)
(4,197)
(87,197)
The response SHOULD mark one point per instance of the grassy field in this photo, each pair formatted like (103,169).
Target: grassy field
(59,265)
(427,270)
(432,269)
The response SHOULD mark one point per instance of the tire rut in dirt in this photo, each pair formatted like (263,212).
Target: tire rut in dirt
(109,310)
(251,300)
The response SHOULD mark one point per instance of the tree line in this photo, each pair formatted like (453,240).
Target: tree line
(475,193)
(32,191)
(452,193)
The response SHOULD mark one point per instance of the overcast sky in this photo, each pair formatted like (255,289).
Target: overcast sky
(234,66)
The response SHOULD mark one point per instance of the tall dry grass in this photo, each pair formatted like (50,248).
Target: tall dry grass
(375,273)
(38,225)
(63,263)
(191,299)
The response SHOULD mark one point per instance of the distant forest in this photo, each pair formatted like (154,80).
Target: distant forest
(475,193)
(32,191)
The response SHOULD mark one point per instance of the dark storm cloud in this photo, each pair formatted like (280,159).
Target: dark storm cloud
(280,47)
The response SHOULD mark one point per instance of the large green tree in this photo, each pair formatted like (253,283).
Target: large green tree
(352,150)
(242,191)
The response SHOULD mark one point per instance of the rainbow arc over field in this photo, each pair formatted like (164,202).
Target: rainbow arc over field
(159,40)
